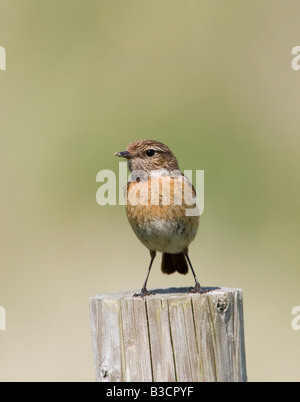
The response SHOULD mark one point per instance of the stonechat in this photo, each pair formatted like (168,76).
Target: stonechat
(159,199)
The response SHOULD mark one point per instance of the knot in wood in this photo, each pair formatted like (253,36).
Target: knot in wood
(104,371)
(222,303)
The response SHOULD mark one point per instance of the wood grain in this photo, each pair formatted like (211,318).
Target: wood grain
(170,336)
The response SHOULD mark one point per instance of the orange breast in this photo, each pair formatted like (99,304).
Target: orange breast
(157,211)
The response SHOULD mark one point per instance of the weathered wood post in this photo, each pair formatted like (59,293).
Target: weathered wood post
(172,335)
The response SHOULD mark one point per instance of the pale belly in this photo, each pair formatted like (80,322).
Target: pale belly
(166,235)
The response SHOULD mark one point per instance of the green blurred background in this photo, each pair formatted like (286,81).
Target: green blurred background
(211,79)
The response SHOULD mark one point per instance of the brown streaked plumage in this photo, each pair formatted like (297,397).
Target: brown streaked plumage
(158,196)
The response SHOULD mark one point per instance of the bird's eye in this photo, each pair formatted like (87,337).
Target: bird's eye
(150,152)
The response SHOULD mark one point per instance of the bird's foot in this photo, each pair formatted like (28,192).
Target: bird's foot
(197,289)
(144,292)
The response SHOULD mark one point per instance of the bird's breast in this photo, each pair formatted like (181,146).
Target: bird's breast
(156,210)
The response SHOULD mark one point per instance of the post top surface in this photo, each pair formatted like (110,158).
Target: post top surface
(167,293)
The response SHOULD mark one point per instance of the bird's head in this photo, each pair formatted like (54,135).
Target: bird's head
(149,155)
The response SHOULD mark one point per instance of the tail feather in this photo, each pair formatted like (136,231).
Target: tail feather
(167,265)
(174,262)
(180,263)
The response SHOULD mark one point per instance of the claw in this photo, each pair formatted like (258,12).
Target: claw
(144,292)
(198,289)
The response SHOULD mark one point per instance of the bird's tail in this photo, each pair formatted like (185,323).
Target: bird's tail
(174,262)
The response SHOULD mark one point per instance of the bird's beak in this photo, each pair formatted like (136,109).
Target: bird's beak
(123,154)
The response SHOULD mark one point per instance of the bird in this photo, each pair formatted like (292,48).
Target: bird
(160,205)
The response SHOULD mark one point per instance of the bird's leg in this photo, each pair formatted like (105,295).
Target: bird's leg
(144,291)
(197,288)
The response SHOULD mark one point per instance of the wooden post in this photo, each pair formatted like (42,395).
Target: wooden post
(172,335)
